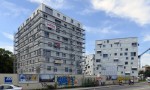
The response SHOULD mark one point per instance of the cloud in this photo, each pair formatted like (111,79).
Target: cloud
(146,38)
(8,35)
(145,59)
(134,10)
(102,30)
(57,4)
(7,47)
(11,9)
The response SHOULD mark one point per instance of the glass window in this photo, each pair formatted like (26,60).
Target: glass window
(66,69)
(133,53)
(71,20)
(105,55)
(64,18)
(49,68)
(115,54)
(98,60)
(126,49)
(125,53)
(55,69)
(58,14)
(126,63)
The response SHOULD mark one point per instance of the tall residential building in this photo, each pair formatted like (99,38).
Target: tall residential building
(116,57)
(49,42)
(89,64)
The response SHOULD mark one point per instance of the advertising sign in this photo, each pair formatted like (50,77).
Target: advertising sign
(59,61)
(46,78)
(50,25)
(28,78)
(7,80)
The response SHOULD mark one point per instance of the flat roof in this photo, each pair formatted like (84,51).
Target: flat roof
(116,38)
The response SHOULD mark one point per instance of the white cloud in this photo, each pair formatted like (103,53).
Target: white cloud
(147,38)
(8,35)
(11,9)
(135,10)
(102,30)
(8,47)
(57,4)
(145,59)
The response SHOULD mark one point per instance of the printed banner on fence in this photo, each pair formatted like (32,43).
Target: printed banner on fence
(28,78)
(47,78)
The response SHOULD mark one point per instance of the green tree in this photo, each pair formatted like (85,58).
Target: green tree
(6,61)
(147,73)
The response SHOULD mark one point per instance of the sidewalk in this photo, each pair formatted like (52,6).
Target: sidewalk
(85,88)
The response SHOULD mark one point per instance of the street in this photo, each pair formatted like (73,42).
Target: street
(137,86)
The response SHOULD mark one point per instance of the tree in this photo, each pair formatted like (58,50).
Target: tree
(6,61)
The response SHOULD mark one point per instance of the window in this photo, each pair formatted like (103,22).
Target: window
(66,69)
(104,45)
(64,18)
(55,69)
(131,62)
(65,25)
(120,54)
(46,34)
(111,45)
(107,41)
(126,63)
(132,58)
(132,71)
(78,25)
(98,52)
(134,44)
(48,68)
(88,66)
(105,55)
(126,49)
(133,53)
(127,58)
(58,14)
(70,70)
(121,49)
(71,20)
(57,53)
(98,60)
(125,53)
(64,55)
(66,48)
(45,16)
(115,54)
(58,37)
(64,61)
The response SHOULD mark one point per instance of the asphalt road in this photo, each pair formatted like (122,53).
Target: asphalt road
(137,86)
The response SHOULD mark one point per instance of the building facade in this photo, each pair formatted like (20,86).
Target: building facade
(116,57)
(49,42)
(89,64)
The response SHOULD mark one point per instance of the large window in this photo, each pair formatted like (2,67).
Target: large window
(133,53)
(98,60)
(66,69)
(48,68)
(105,55)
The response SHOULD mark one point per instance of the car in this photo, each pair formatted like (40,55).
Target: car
(10,87)
(148,80)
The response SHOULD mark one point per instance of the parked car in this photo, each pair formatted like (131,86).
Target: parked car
(10,87)
(148,80)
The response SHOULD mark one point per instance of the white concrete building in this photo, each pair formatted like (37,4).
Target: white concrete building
(89,64)
(49,42)
(116,57)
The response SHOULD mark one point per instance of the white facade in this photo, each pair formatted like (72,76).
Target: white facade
(89,64)
(49,42)
(116,57)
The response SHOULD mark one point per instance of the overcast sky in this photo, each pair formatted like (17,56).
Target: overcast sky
(102,19)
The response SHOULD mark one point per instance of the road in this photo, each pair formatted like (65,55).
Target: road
(137,86)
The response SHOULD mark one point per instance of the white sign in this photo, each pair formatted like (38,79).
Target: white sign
(59,61)
(51,25)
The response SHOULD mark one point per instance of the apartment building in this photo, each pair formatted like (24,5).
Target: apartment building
(116,57)
(89,64)
(49,42)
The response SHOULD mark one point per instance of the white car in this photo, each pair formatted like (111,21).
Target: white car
(10,87)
